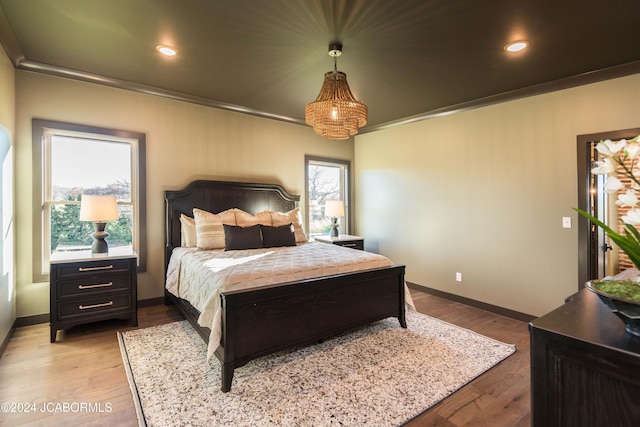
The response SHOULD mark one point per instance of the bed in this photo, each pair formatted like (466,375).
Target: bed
(259,321)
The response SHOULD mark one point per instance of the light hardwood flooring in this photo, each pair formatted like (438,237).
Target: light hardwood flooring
(85,366)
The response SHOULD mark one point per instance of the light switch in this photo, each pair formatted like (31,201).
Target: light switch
(566,222)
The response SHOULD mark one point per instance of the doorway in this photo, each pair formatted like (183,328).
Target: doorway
(597,256)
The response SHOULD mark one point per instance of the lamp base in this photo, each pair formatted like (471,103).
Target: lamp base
(334,228)
(100,245)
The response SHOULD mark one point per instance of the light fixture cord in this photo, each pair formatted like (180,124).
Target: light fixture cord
(335,77)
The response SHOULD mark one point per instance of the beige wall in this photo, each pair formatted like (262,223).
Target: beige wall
(480,192)
(483,193)
(7,265)
(184,142)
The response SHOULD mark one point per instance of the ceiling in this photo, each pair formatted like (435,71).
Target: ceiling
(406,59)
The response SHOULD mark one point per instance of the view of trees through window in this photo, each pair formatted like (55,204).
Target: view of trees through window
(326,181)
(69,233)
(87,166)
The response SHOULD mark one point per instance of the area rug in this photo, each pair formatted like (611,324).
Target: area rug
(380,375)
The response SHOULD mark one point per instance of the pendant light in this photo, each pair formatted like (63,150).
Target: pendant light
(335,114)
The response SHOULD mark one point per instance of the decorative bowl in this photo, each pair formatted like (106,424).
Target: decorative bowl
(623,299)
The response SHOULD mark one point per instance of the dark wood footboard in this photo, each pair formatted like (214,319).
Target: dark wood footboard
(265,320)
(262,321)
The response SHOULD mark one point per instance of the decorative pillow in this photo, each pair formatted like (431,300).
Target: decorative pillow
(245,219)
(283,235)
(209,227)
(239,238)
(187,231)
(292,217)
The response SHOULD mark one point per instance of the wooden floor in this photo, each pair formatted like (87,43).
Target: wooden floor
(80,380)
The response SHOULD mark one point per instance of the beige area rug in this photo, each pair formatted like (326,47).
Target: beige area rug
(380,375)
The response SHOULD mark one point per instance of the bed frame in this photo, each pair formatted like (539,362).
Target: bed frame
(261,321)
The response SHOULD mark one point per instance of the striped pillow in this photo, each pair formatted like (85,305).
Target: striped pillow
(209,229)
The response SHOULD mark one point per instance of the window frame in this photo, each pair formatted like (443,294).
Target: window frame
(591,239)
(345,187)
(41,166)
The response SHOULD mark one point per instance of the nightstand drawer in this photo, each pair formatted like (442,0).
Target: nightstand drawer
(344,240)
(93,285)
(94,305)
(92,268)
(354,244)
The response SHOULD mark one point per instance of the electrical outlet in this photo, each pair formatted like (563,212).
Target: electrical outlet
(458,277)
(566,222)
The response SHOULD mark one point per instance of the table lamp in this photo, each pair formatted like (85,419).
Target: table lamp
(99,210)
(334,209)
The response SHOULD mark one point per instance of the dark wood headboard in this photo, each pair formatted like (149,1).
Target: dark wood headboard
(218,196)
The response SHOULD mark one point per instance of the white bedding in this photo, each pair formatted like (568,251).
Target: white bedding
(199,276)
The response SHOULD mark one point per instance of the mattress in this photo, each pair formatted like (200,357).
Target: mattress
(199,276)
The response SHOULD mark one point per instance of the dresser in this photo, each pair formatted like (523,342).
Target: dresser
(585,368)
(346,240)
(86,287)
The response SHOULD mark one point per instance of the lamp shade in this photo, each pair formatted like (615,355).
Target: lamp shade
(336,114)
(98,208)
(334,208)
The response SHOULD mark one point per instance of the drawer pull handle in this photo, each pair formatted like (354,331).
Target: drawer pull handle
(106,267)
(349,245)
(101,285)
(104,304)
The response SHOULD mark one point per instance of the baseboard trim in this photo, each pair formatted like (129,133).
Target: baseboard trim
(150,302)
(5,341)
(474,303)
(32,320)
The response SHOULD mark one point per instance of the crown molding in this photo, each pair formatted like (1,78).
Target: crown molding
(53,70)
(556,85)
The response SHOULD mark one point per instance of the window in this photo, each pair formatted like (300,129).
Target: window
(72,160)
(327,179)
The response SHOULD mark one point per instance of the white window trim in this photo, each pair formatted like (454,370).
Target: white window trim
(345,187)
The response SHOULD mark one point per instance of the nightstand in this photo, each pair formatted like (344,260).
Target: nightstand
(86,287)
(346,240)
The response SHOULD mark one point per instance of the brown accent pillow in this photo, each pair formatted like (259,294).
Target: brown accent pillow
(240,238)
(283,235)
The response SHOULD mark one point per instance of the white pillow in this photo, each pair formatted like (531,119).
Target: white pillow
(209,229)
(292,217)
(245,219)
(187,231)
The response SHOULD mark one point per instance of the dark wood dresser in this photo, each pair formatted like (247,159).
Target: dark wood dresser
(585,369)
(86,288)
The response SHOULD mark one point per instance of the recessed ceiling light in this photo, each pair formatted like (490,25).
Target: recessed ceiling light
(516,46)
(166,50)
